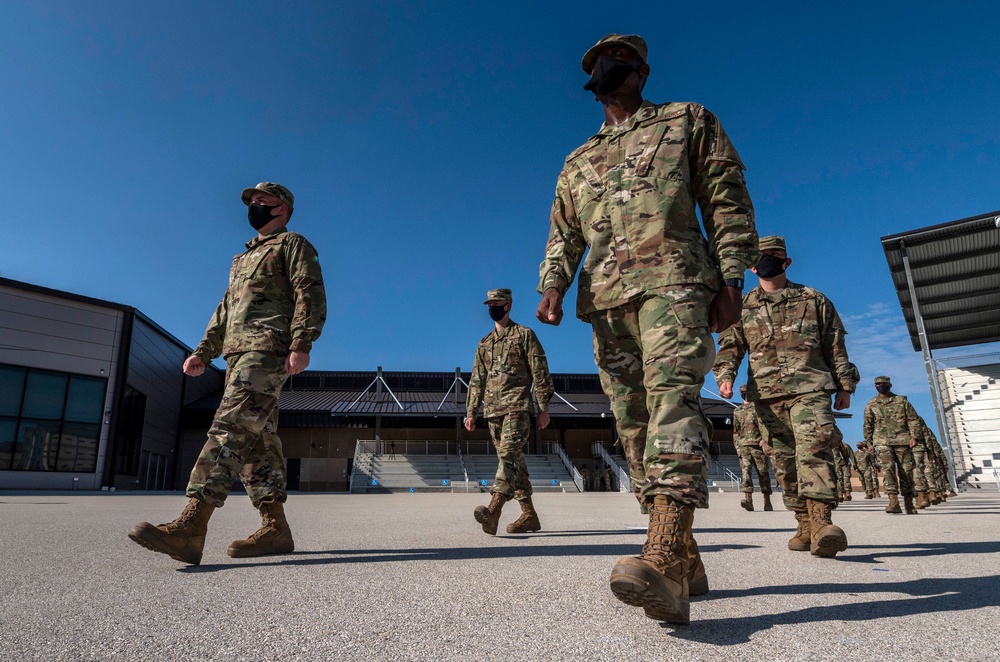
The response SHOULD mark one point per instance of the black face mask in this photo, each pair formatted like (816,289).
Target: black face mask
(260,215)
(497,312)
(608,75)
(769,266)
(883,388)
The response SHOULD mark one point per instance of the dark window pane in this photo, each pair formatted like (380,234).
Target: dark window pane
(37,445)
(11,390)
(78,447)
(85,401)
(8,433)
(45,395)
(128,440)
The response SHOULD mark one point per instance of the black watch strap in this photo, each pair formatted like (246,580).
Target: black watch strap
(734,282)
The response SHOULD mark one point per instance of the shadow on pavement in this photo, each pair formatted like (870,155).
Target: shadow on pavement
(926,596)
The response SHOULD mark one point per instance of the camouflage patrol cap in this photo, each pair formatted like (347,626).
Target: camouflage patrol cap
(743,391)
(771,243)
(882,379)
(499,294)
(861,444)
(277,190)
(633,41)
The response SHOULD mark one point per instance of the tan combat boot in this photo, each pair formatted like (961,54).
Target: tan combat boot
(183,539)
(878,495)
(934,496)
(273,536)
(489,516)
(657,579)
(847,495)
(747,501)
(908,505)
(952,493)
(528,521)
(802,540)
(827,537)
(697,577)
(921,501)
(893,507)
(767,503)
(869,495)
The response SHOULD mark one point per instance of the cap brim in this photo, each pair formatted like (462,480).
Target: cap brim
(247,194)
(591,56)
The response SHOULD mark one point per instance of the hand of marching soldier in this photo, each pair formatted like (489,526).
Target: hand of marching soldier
(726,390)
(470,424)
(193,366)
(725,309)
(550,309)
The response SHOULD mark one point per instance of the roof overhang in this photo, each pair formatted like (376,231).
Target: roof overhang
(955,269)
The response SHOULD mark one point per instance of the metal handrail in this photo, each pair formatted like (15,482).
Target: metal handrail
(624,480)
(573,471)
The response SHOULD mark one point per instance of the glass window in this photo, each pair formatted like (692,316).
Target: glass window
(8,433)
(11,390)
(45,395)
(49,421)
(85,399)
(37,445)
(78,447)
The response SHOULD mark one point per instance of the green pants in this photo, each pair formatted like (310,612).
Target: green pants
(803,438)
(652,355)
(896,460)
(243,439)
(509,434)
(752,457)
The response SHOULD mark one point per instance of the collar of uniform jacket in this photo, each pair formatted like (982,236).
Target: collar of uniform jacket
(760,296)
(260,240)
(646,111)
(503,333)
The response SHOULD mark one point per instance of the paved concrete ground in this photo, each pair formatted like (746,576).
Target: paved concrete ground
(412,577)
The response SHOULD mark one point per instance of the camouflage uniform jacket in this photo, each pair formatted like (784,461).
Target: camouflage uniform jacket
(746,426)
(848,453)
(275,301)
(630,194)
(796,345)
(891,421)
(507,363)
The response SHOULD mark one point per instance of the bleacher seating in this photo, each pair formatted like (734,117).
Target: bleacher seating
(971,398)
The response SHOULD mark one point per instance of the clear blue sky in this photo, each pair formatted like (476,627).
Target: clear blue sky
(422,141)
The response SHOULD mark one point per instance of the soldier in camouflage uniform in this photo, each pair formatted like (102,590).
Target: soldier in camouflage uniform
(892,425)
(844,477)
(941,470)
(798,359)
(653,287)
(748,439)
(508,361)
(865,462)
(925,463)
(265,326)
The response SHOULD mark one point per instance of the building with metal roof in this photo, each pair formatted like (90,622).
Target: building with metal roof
(947,279)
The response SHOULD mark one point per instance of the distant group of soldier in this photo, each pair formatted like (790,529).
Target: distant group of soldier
(898,443)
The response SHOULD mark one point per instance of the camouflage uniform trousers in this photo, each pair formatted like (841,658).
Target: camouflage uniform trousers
(869,478)
(652,355)
(509,434)
(843,471)
(923,469)
(243,440)
(752,457)
(803,439)
(893,459)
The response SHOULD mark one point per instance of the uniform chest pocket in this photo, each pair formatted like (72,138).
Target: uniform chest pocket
(259,270)
(660,151)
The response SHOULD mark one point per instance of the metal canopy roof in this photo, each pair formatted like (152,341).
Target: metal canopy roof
(956,276)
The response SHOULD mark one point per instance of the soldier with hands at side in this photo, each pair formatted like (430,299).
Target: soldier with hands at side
(749,439)
(798,359)
(893,426)
(265,326)
(653,287)
(508,361)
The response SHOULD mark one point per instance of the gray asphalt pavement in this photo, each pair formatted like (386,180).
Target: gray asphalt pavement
(412,577)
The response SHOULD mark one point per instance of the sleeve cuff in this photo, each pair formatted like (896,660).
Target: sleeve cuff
(300,345)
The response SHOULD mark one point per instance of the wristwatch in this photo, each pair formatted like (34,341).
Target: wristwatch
(734,282)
